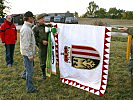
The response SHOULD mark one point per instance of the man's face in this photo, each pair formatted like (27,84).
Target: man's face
(31,20)
(9,18)
(41,21)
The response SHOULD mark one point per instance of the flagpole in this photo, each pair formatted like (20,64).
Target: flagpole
(128,47)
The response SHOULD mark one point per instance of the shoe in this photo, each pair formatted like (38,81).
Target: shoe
(23,78)
(43,73)
(33,91)
(9,65)
(44,77)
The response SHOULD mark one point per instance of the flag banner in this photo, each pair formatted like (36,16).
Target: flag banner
(53,64)
(56,49)
(51,53)
(84,56)
(49,56)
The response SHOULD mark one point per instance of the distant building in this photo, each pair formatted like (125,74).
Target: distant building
(18,18)
(61,14)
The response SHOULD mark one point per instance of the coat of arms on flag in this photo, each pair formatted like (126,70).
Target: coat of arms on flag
(84,56)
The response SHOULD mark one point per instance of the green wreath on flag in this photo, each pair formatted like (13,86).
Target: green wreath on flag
(52,31)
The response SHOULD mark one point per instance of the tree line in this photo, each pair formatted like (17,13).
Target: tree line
(94,11)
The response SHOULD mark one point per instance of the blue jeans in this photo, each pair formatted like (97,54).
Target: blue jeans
(28,73)
(9,53)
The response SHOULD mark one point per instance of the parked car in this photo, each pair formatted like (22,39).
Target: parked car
(57,19)
(63,18)
(1,20)
(71,20)
(75,20)
(52,19)
(49,19)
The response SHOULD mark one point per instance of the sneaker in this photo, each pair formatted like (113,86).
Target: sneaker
(23,78)
(33,91)
(44,77)
(9,65)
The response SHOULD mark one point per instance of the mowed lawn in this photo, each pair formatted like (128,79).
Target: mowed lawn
(12,87)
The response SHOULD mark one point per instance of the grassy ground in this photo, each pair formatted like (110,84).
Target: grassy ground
(12,87)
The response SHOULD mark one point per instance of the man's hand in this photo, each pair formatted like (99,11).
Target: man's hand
(124,29)
(45,42)
(3,44)
(31,58)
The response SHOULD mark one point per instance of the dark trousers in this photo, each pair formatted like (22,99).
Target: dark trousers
(132,84)
(9,53)
(43,57)
(131,71)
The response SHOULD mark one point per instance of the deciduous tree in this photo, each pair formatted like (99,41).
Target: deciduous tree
(4,7)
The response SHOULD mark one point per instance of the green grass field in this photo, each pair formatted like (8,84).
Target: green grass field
(12,87)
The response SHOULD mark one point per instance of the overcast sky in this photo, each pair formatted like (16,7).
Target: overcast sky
(62,6)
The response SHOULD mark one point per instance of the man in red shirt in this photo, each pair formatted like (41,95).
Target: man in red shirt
(9,37)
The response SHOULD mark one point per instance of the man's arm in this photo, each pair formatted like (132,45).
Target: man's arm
(15,32)
(2,32)
(130,31)
(127,30)
(40,39)
(36,34)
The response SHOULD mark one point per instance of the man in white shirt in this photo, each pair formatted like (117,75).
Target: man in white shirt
(27,49)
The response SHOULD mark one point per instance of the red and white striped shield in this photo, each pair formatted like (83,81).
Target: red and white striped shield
(84,57)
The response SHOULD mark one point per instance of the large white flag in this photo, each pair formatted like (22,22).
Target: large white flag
(84,56)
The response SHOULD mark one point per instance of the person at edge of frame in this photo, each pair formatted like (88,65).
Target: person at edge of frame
(130,66)
(8,34)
